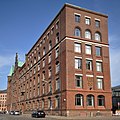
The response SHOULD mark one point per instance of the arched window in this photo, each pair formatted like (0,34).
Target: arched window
(79,99)
(87,34)
(57,38)
(90,100)
(101,100)
(77,32)
(44,52)
(97,36)
(50,44)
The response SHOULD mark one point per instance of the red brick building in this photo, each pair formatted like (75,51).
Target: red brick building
(67,71)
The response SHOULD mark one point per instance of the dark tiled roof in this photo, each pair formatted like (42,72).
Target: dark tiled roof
(3,91)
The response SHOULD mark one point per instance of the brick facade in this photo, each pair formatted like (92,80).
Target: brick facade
(67,71)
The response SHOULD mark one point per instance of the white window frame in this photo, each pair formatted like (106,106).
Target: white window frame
(57,67)
(77,47)
(88,49)
(90,62)
(100,83)
(78,63)
(57,52)
(99,66)
(80,99)
(92,100)
(58,84)
(80,81)
(98,53)
(97,36)
(87,21)
(77,32)
(87,34)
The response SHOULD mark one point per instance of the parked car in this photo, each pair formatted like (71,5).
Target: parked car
(17,113)
(1,112)
(39,113)
(11,112)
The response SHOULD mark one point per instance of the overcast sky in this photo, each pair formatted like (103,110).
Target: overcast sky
(23,21)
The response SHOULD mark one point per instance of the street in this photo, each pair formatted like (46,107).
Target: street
(28,117)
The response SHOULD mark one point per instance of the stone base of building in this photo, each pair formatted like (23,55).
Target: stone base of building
(76,113)
(88,113)
(79,113)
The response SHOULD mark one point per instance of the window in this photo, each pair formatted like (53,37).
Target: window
(99,66)
(57,102)
(98,51)
(43,62)
(97,23)
(39,56)
(101,100)
(49,103)
(44,51)
(57,84)
(77,47)
(50,71)
(57,25)
(42,104)
(88,49)
(43,76)
(40,43)
(50,45)
(77,32)
(79,99)
(38,66)
(77,18)
(78,63)
(88,64)
(50,87)
(57,67)
(31,64)
(49,58)
(57,52)
(87,21)
(97,36)
(52,30)
(87,34)
(78,79)
(48,35)
(34,60)
(57,37)
(38,91)
(38,78)
(99,83)
(90,100)
(44,40)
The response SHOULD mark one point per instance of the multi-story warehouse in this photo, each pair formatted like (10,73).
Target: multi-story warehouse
(67,71)
(3,96)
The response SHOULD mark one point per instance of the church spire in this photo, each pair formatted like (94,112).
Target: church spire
(16,60)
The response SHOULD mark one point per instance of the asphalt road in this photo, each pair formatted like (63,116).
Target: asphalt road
(28,117)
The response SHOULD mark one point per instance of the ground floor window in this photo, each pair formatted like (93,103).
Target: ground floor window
(79,99)
(57,102)
(101,100)
(90,100)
